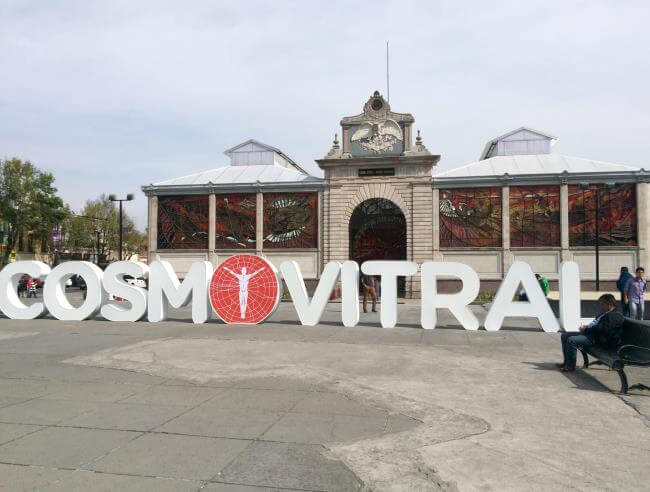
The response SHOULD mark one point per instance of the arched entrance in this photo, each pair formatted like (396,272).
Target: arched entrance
(378,232)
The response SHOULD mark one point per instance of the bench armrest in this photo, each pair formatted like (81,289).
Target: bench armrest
(635,353)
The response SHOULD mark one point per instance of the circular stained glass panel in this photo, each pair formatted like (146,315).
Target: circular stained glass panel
(245,289)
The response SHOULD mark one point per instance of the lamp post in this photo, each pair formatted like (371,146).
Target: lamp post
(606,187)
(97,232)
(113,198)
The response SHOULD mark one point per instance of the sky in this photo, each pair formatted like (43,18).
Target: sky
(113,95)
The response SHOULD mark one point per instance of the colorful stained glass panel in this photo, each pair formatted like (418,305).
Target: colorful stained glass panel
(183,222)
(534,216)
(290,220)
(236,221)
(470,217)
(616,211)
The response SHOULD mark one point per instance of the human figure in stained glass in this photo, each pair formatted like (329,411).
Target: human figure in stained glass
(243,279)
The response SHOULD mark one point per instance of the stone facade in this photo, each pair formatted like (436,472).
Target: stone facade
(377,161)
(404,179)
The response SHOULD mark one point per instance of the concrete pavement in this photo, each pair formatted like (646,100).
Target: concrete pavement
(175,406)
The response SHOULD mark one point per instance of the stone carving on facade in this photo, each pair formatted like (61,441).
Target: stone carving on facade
(378,137)
(377,132)
(377,110)
(335,151)
(377,129)
(419,149)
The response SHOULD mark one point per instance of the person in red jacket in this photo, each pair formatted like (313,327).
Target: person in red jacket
(31,287)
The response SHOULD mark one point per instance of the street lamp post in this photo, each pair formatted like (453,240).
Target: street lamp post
(97,231)
(113,198)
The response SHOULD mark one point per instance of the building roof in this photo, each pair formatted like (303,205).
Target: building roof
(255,146)
(534,167)
(490,144)
(533,164)
(238,175)
(253,165)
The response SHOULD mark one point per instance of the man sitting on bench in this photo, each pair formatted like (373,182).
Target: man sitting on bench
(605,331)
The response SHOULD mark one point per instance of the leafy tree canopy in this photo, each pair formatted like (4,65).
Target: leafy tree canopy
(28,203)
(96,229)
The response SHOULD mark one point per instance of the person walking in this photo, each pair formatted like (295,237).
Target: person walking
(621,283)
(369,289)
(22,287)
(543,283)
(635,294)
(31,288)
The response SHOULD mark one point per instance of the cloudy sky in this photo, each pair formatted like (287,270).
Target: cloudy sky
(112,95)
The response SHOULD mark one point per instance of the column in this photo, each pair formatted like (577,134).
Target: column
(435,229)
(320,242)
(642,217)
(346,139)
(212,228)
(326,228)
(259,223)
(508,257)
(565,255)
(338,225)
(153,226)
(407,137)
(421,235)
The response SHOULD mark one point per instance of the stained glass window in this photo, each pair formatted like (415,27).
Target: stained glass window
(290,220)
(183,222)
(534,216)
(236,222)
(617,213)
(470,217)
(377,231)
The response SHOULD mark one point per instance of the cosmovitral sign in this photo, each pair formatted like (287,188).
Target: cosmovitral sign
(248,288)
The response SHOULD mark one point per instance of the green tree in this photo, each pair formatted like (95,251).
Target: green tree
(28,203)
(76,234)
(100,217)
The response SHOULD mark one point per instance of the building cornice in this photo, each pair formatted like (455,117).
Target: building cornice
(543,179)
(383,161)
(208,189)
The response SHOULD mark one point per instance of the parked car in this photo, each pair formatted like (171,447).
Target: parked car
(138,282)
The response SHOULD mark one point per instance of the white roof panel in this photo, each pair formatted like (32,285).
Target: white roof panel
(242,175)
(505,136)
(532,164)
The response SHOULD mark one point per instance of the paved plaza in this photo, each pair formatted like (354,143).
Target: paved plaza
(96,405)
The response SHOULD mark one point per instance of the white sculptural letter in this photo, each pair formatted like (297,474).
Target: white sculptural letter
(10,304)
(569,296)
(457,303)
(536,307)
(350,293)
(389,271)
(114,284)
(165,290)
(309,312)
(54,296)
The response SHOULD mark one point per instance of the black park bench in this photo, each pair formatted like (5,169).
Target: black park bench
(635,351)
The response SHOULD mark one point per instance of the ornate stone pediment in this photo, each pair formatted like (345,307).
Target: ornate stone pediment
(377,133)
(377,109)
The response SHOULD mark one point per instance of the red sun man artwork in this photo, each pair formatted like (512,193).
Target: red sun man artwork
(245,289)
